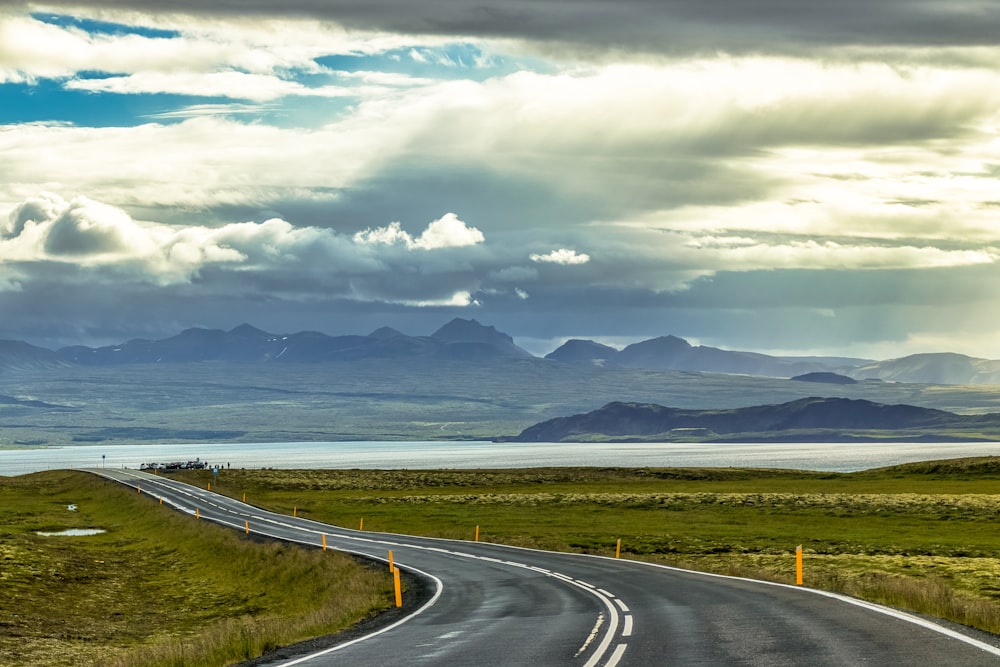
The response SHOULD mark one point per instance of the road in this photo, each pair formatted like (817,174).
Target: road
(499,605)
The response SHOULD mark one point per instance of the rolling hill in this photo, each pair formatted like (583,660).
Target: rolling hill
(831,418)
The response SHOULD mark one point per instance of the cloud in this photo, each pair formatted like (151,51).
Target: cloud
(726,158)
(561,256)
(102,243)
(670,26)
(237,85)
(445,232)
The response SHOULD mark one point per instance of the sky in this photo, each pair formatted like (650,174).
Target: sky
(789,176)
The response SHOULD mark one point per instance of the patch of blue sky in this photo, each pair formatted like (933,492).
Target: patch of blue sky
(95,27)
(452,61)
(47,101)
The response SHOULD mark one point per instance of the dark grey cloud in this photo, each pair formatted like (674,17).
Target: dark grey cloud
(669,26)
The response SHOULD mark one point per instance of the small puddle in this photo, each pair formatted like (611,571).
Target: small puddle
(74,532)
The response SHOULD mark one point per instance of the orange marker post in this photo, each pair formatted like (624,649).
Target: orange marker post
(161,500)
(197,513)
(618,548)
(361,526)
(247,524)
(477,532)
(798,565)
(391,566)
(138,488)
(399,590)
(209,486)
(324,541)
(295,510)
(244,496)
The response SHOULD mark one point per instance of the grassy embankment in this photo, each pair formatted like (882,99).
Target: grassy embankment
(925,537)
(159,587)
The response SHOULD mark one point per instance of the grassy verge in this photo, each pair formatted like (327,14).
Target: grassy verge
(925,537)
(157,588)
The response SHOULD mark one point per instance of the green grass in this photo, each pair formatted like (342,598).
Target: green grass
(158,588)
(922,536)
(162,589)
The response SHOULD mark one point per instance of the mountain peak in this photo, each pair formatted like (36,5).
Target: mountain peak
(248,331)
(468,339)
(469,331)
(385,333)
(577,350)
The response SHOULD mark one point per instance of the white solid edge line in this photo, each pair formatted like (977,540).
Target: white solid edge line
(430,603)
(887,611)
(617,655)
(871,606)
(439,586)
(599,652)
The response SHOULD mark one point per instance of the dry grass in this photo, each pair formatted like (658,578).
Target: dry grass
(924,537)
(157,588)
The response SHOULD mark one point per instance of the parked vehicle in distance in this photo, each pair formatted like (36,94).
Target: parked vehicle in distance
(197,464)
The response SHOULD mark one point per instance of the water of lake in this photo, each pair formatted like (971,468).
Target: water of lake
(834,457)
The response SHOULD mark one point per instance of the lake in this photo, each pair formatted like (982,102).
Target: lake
(833,457)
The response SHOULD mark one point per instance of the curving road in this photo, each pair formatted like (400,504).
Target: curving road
(498,605)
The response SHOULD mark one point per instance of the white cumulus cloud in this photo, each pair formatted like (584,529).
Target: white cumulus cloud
(445,232)
(561,256)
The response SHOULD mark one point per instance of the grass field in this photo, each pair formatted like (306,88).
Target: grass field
(161,589)
(922,536)
(157,588)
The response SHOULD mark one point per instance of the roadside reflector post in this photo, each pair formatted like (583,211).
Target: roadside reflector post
(247,523)
(361,526)
(324,541)
(295,510)
(618,548)
(477,532)
(391,566)
(197,513)
(138,488)
(209,486)
(798,565)
(244,496)
(399,590)
(161,500)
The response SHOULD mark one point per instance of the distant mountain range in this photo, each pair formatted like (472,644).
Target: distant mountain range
(470,341)
(16,355)
(807,419)
(673,353)
(458,340)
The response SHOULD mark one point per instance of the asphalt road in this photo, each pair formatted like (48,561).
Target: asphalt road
(498,605)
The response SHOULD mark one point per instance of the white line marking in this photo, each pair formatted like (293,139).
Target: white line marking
(900,615)
(584,583)
(282,521)
(610,595)
(627,629)
(617,655)
(430,603)
(859,603)
(621,605)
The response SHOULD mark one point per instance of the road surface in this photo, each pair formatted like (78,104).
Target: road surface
(499,605)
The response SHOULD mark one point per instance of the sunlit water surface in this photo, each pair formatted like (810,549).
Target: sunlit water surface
(835,457)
